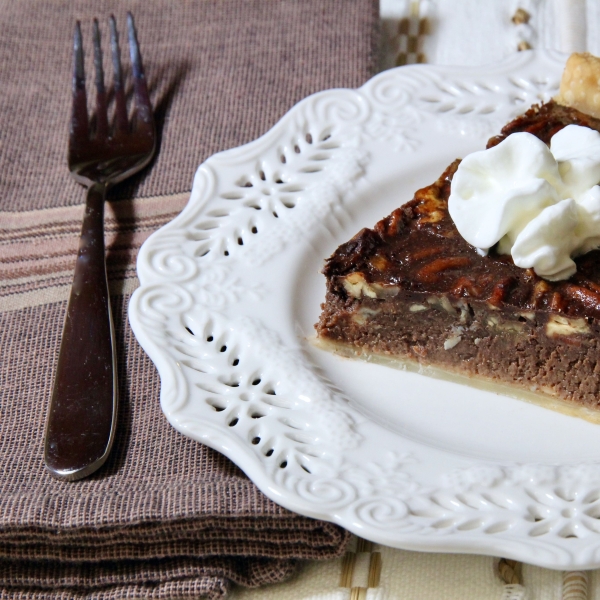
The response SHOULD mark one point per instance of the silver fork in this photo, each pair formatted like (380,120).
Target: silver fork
(83,409)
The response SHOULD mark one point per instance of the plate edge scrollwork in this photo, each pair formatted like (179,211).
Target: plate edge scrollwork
(402,511)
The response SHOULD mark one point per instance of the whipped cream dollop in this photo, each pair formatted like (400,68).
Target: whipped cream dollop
(540,204)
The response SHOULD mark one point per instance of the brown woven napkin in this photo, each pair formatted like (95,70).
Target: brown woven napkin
(166,517)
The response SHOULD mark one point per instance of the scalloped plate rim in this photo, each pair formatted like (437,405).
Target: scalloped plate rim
(214,436)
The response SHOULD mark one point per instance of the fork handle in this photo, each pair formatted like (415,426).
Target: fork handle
(83,408)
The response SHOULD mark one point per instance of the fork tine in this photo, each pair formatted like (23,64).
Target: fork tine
(79,116)
(140,87)
(120,104)
(101,110)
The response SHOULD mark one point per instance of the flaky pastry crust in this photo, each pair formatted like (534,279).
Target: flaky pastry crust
(580,84)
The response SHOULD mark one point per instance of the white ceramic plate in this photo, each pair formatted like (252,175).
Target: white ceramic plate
(230,291)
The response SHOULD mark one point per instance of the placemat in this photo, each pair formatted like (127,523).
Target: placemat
(166,517)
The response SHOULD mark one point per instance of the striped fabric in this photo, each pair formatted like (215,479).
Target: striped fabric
(38,247)
(165,517)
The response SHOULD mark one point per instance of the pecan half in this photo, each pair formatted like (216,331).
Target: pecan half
(539,290)
(591,300)
(426,252)
(558,302)
(466,287)
(500,290)
(432,271)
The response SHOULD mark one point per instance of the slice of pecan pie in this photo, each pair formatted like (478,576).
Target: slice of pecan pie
(413,290)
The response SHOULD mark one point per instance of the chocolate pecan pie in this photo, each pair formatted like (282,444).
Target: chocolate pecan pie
(413,290)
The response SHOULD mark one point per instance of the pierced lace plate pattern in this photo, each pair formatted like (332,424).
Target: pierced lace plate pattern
(213,313)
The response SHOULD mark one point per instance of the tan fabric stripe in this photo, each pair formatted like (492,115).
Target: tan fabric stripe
(358,593)
(18,281)
(510,571)
(138,208)
(14,285)
(50,233)
(60,293)
(348,563)
(50,256)
(352,575)
(40,284)
(374,570)
(12,221)
(364,545)
(37,268)
(411,33)
(72,228)
(575,585)
(66,227)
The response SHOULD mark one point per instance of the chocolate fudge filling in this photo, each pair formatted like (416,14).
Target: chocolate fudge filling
(413,288)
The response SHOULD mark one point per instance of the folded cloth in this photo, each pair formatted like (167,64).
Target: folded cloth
(166,517)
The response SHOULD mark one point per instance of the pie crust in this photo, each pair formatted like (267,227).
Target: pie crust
(580,84)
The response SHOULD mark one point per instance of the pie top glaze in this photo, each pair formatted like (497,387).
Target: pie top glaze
(418,248)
